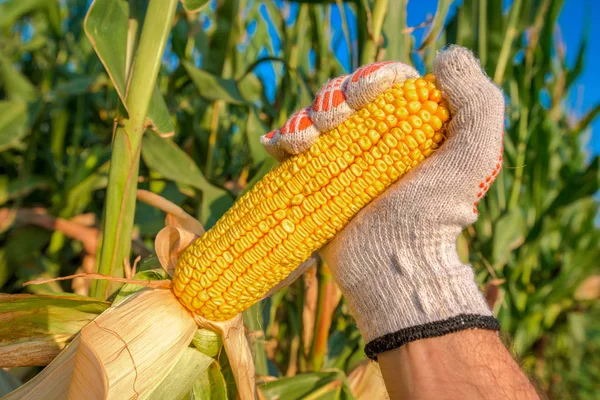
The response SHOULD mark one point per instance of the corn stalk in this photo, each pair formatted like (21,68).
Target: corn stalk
(127,139)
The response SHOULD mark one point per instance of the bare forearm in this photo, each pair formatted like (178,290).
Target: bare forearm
(472,364)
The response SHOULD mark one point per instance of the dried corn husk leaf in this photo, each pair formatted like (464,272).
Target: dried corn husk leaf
(366,382)
(131,347)
(54,380)
(170,243)
(124,353)
(176,216)
(81,286)
(238,351)
(7,218)
(35,328)
(309,311)
(493,292)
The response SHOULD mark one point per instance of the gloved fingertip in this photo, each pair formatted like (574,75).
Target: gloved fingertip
(456,62)
(271,143)
(464,83)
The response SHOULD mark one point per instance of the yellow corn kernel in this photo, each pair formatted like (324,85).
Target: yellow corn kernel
(300,205)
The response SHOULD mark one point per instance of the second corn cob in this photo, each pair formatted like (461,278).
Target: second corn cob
(300,205)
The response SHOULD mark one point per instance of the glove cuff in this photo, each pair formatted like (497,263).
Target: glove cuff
(393,310)
(404,336)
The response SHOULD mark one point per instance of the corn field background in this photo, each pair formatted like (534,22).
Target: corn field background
(232,71)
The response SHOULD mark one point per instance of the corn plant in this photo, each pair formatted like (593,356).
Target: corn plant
(98,101)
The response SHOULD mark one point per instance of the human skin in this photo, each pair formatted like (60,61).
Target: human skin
(470,364)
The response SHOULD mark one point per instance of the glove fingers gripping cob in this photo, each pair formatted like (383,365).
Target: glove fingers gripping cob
(361,134)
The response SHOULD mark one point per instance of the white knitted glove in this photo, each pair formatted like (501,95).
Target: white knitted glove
(396,261)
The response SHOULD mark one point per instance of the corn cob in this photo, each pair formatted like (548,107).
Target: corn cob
(302,203)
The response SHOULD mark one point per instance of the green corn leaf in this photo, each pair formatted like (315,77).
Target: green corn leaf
(301,385)
(74,87)
(437,25)
(13,123)
(110,28)
(16,85)
(398,42)
(210,386)
(579,186)
(5,272)
(129,288)
(17,188)
(12,10)
(254,130)
(254,323)
(467,24)
(191,367)
(8,382)
(194,5)
(552,312)
(587,119)
(508,234)
(166,158)
(495,21)
(212,87)
(506,52)
(574,73)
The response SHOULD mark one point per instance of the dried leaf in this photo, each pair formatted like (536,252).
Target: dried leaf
(7,218)
(131,347)
(366,382)
(309,311)
(492,291)
(81,286)
(176,216)
(589,289)
(329,298)
(238,351)
(169,244)
(39,217)
(117,355)
(53,382)
(87,219)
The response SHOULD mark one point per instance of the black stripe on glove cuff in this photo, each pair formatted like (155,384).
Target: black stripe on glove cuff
(399,338)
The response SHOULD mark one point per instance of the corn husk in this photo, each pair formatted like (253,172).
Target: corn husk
(366,382)
(238,351)
(122,354)
(131,346)
(53,382)
(176,216)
